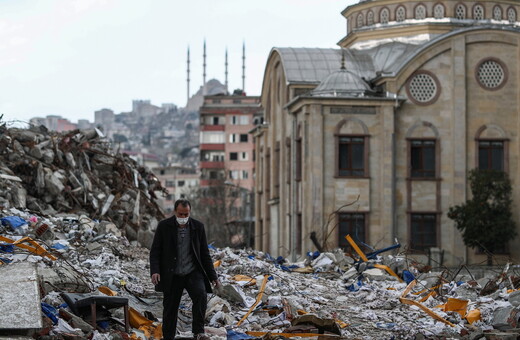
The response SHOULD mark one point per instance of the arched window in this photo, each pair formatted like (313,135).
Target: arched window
(492,147)
(400,13)
(384,16)
(438,11)
(511,14)
(370,18)
(420,12)
(497,13)
(460,12)
(360,20)
(478,12)
(352,148)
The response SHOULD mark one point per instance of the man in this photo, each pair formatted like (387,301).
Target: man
(179,259)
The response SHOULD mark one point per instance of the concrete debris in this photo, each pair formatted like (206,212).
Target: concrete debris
(75,172)
(261,296)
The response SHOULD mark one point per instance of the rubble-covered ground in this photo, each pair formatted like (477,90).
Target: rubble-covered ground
(87,211)
(340,296)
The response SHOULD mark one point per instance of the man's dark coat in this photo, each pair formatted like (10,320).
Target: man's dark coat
(163,254)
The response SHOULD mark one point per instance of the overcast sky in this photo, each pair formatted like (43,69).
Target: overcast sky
(73,57)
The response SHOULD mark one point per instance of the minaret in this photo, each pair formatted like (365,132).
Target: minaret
(244,67)
(204,70)
(188,72)
(226,72)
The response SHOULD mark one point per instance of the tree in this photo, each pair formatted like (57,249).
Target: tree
(486,220)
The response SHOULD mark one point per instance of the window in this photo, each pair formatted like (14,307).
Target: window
(423,231)
(245,174)
(216,101)
(213,175)
(233,174)
(234,120)
(215,120)
(170,197)
(351,156)
(360,20)
(420,12)
(497,13)
(460,12)
(491,155)
(299,167)
(491,74)
(352,224)
(438,11)
(422,158)
(423,88)
(233,156)
(181,183)
(232,138)
(244,120)
(478,12)
(511,15)
(243,156)
(237,101)
(400,13)
(212,137)
(384,16)
(243,138)
(370,18)
(169,183)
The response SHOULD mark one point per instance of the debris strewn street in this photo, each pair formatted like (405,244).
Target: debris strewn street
(328,293)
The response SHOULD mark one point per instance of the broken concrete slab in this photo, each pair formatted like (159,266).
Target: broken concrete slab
(20,297)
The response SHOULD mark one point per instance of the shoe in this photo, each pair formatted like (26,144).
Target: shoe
(201,336)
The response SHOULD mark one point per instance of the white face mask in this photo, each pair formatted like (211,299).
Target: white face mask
(182,220)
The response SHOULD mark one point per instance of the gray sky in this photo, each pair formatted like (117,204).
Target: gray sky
(72,57)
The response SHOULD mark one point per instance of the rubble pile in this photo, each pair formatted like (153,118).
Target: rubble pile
(328,295)
(76,172)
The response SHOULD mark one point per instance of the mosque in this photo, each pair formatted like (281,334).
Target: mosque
(375,138)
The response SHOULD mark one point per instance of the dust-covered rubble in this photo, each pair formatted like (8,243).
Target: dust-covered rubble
(329,293)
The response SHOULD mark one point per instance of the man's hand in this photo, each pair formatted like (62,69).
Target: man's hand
(217,283)
(156,278)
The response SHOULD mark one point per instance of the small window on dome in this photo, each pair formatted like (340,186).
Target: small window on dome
(511,14)
(384,16)
(438,11)
(400,13)
(478,12)
(360,20)
(420,12)
(497,13)
(370,18)
(460,12)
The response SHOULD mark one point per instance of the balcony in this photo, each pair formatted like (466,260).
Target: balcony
(212,127)
(211,165)
(213,146)
(210,182)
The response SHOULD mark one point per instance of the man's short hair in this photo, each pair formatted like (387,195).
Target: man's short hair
(181,201)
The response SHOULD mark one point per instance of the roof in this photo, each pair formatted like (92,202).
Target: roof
(313,65)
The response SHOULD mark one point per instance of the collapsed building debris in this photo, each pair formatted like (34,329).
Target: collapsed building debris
(326,296)
(76,172)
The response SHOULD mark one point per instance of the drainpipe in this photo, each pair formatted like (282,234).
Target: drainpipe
(294,189)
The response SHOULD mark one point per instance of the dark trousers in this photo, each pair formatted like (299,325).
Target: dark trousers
(194,285)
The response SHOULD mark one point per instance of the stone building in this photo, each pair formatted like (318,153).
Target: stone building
(375,138)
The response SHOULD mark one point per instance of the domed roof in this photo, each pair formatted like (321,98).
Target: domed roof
(342,83)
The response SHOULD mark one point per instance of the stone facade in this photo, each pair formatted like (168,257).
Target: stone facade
(455,91)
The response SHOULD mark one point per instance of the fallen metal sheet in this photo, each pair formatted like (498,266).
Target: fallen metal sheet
(20,297)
